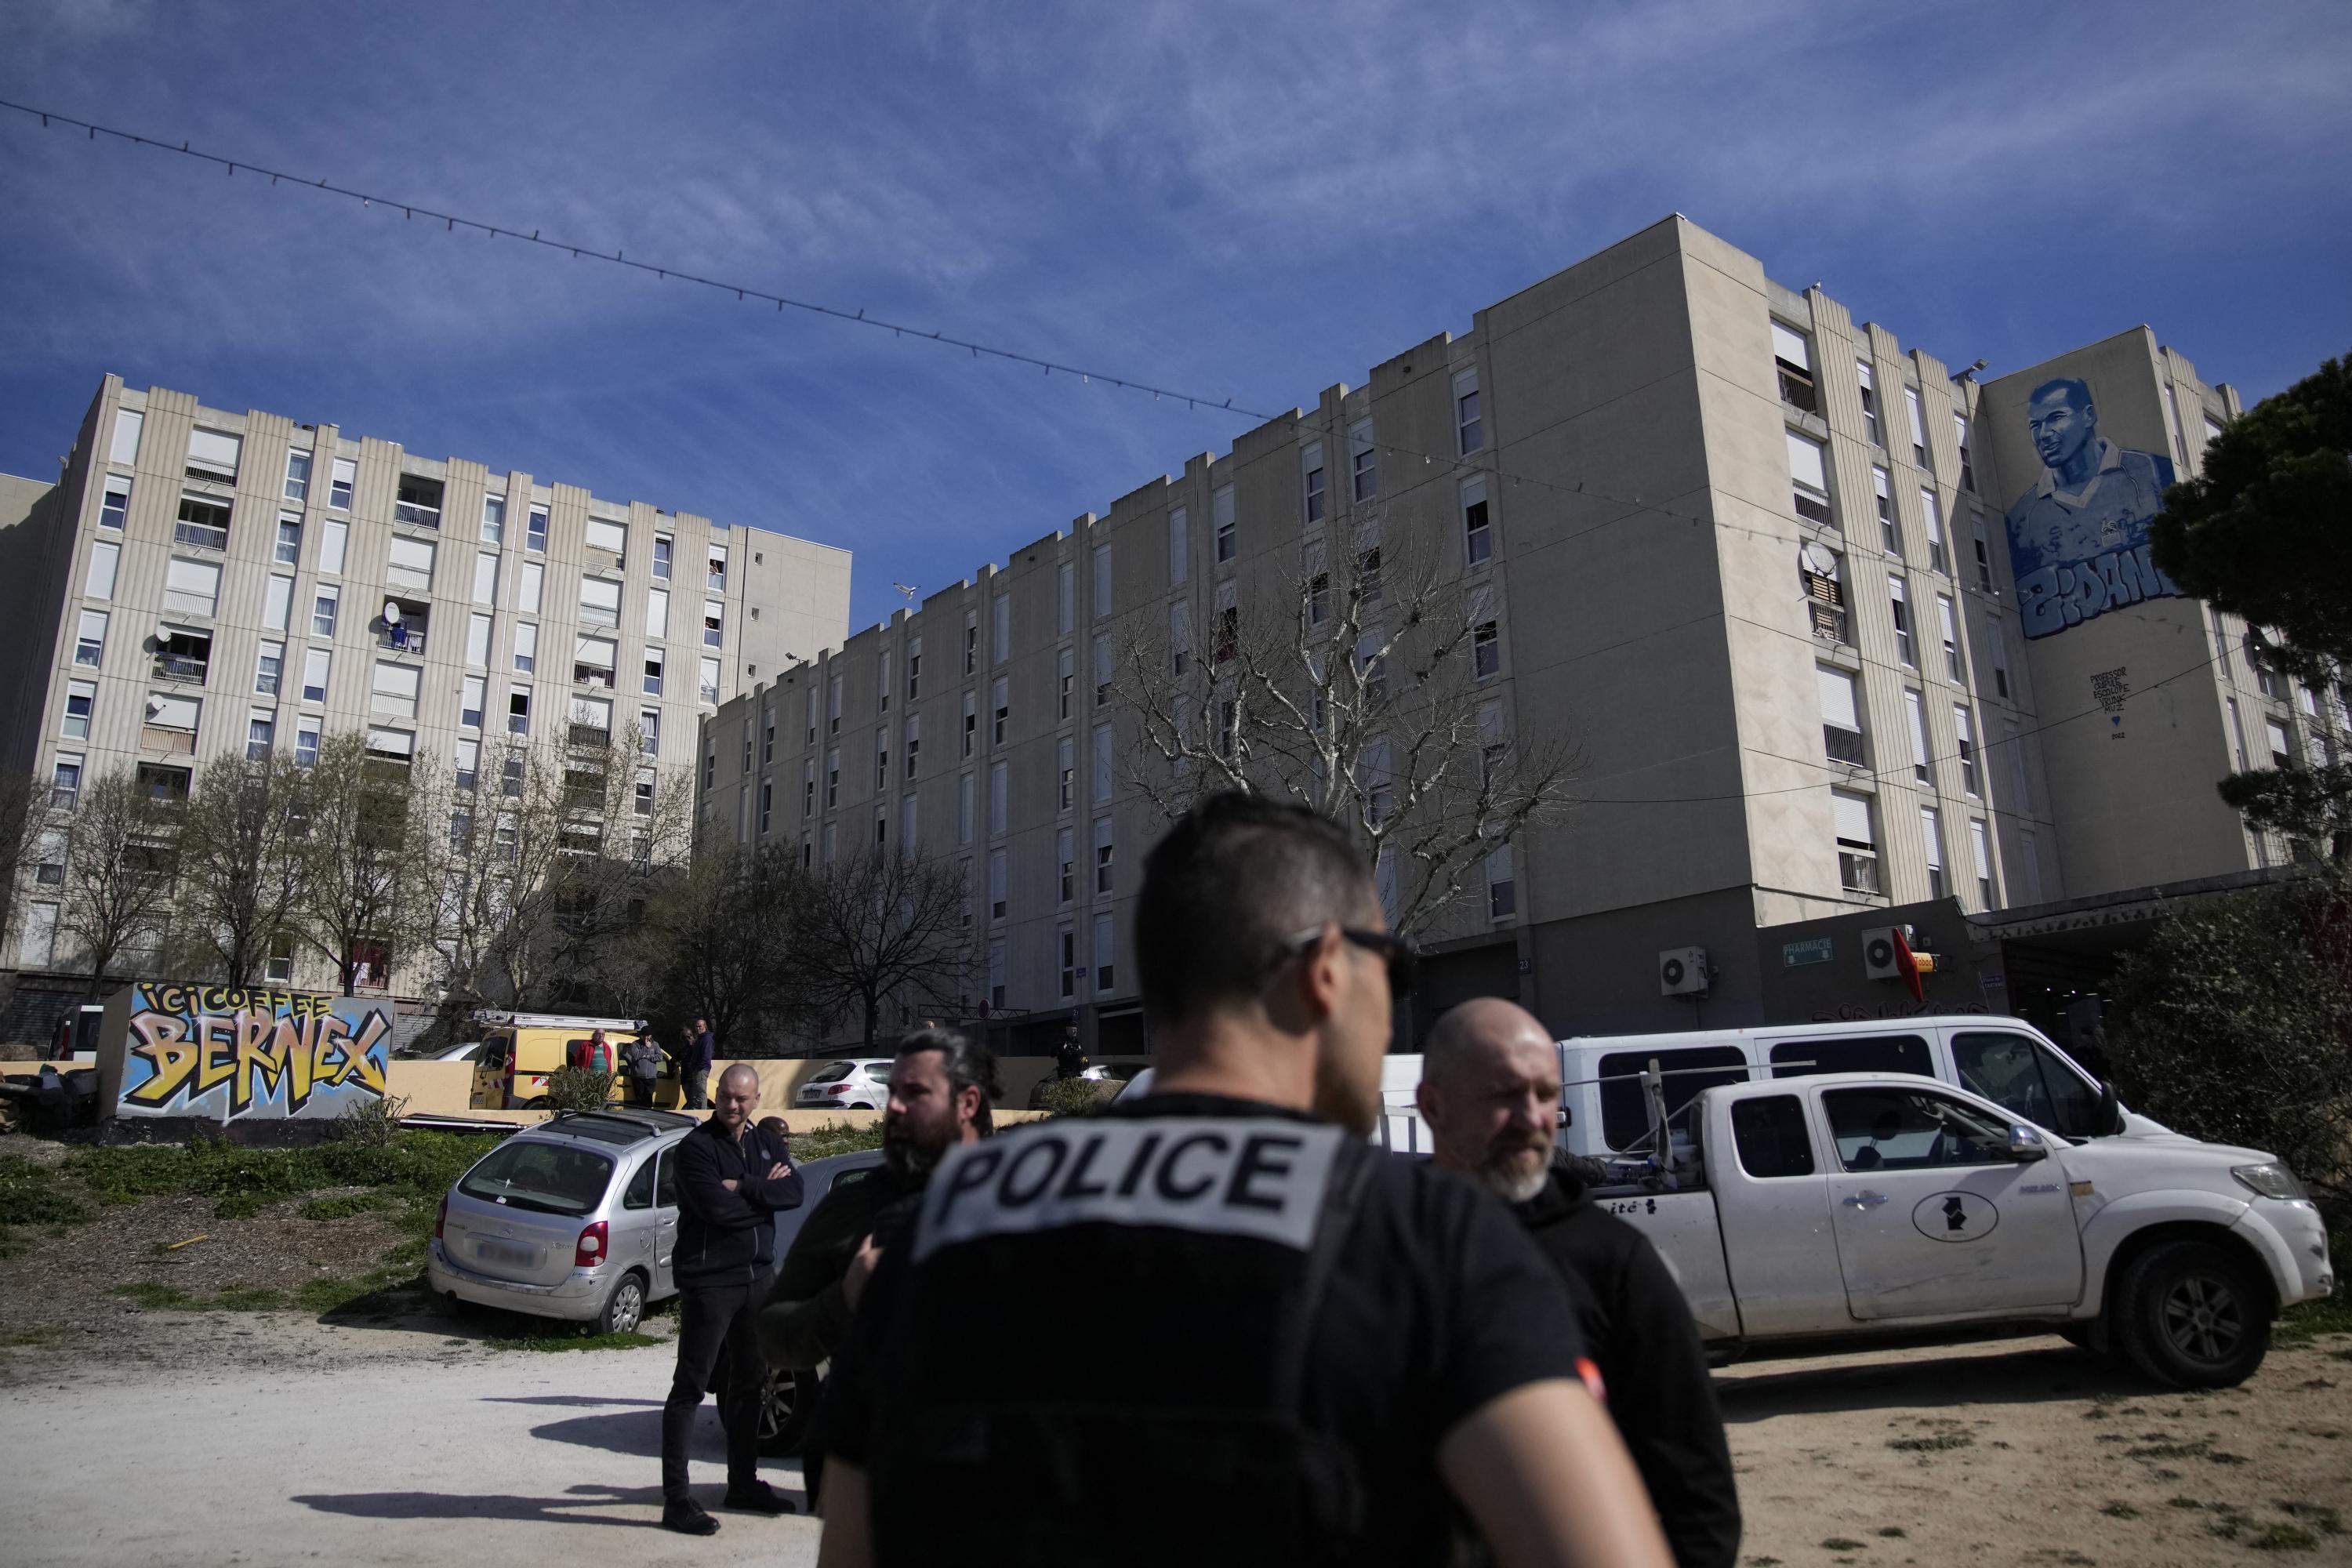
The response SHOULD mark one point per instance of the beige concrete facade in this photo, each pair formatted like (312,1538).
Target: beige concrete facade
(246,535)
(1675,593)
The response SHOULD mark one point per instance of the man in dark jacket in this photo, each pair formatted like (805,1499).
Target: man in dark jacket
(1490,1095)
(731,1181)
(694,1066)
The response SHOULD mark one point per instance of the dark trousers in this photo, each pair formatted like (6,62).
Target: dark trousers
(695,1083)
(717,1328)
(641,1090)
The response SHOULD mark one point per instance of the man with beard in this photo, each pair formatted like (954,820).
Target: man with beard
(939,1088)
(1490,1095)
(1323,1351)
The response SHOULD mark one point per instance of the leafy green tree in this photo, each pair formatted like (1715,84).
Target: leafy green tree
(2266,533)
(2234,1025)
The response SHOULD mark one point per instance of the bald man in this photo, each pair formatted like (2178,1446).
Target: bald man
(1490,1096)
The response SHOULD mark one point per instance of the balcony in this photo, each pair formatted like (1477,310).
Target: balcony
(1858,873)
(171,742)
(402,638)
(590,736)
(172,664)
(167,784)
(418,503)
(1843,746)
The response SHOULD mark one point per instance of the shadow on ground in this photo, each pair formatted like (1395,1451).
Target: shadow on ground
(575,1507)
(2045,1371)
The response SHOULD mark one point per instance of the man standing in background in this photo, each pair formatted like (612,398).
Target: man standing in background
(1490,1094)
(694,1066)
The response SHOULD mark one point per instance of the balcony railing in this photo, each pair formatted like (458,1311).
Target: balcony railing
(1842,746)
(591,735)
(416,515)
(177,742)
(181,667)
(592,675)
(403,639)
(205,536)
(1858,873)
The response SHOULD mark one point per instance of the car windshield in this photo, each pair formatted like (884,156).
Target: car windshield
(549,1178)
(835,1073)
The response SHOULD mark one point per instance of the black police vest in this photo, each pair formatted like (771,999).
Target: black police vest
(1099,1352)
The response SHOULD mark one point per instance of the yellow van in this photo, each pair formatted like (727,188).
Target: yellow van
(521,1049)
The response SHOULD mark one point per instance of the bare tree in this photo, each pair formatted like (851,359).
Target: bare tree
(883,924)
(243,869)
(119,848)
(727,927)
(24,802)
(367,849)
(1352,681)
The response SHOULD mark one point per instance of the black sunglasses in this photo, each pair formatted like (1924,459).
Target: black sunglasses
(1394,951)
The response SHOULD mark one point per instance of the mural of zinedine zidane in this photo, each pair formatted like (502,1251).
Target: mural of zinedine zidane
(2093,496)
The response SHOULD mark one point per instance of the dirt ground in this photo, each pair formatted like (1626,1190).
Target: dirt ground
(2028,1451)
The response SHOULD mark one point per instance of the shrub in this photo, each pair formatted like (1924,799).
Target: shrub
(2234,1025)
(577,1088)
(1071,1097)
(370,1122)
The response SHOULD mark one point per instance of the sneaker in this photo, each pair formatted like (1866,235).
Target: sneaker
(757,1498)
(687,1517)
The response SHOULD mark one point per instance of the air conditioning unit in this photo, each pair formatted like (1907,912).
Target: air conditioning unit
(1878,955)
(1682,972)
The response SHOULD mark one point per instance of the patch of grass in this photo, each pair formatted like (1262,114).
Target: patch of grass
(2182,1502)
(28,1338)
(1839,1543)
(2341,1355)
(342,1207)
(2165,1449)
(574,1342)
(820,1142)
(2298,1323)
(2321,1517)
(2284,1538)
(158,1297)
(1892,1532)
(2120,1511)
(32,1195)
(1763,1562)
(249,1301)
(2218,1457)
(1934,1444)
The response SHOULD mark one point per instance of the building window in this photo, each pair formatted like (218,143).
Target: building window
(971,722)
(997,902)
(409,566)
(469,764)
(881,761)
(1857,850)
(418,503)
(1890,532)
(126,425)
(89,639)
(1947,621)
(2282,745)
(914,742)
(1104,936)
(1180,637)
(715,579)
(97,582)
(709,680)
(1968,464)
(203,523)
(1000,703)
(1841,717)
(1069,947)
(1792,357)
(1918,427)
(1311,464)
(172,723)
(1965,738)
(1102,764)
(1221,521)
(963,808)
(269,668)
(1102,582)
(340,479)
(1502,885)
(831,778)
(998,797)
(714,625)
(80,697)
(526,647)
(1065,766)
(1469,426)
(1869,402)
(996,973)
(1102,669)
(970,641)
(1900,607)
(288,550)
(606,537)
(534,533)
(1980,847)
(65,783)
(1067,672)
(1066,857)
(1822,575)
(1363,462)
(2030,856)
(393,689)
(317,663)
(333,538)
(1066,597)
(1000,638)
(519,711)
(494,520)
(478,641)
(306,740)
(1939,557)
(1931,835)
(472,692)
(767,803)
(1918,712)
(530,588)
(213,455)
(1485,650)
(600,603)
(592,661)
(1477,540)
(193,587)
(114,507)
(1809,480)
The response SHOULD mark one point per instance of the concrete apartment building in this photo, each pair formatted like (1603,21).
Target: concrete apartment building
(201,581)
(1749,555)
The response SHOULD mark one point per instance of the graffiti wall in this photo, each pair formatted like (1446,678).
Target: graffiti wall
(2078,532)
(228,1054)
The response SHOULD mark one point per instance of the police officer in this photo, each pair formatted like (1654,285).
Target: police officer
(1490,1097)
(1319,1351)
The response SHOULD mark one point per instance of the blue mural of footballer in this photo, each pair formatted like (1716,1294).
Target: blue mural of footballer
(2078,539)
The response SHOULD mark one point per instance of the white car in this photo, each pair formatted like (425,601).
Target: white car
(855,1083)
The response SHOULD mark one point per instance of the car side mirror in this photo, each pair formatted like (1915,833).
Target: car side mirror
(2111,1110)
(2025,1144)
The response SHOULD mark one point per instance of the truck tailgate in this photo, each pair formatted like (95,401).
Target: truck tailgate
(1683,1227)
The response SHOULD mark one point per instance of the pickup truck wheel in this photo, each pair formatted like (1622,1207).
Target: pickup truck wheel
(787,1402)
(2191,1316)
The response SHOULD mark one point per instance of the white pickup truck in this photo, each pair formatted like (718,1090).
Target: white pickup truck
(1885,1202)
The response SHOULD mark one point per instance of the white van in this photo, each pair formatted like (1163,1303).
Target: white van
(1604,1108)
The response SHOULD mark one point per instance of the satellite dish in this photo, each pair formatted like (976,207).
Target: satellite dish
(1819,559)
(390,613)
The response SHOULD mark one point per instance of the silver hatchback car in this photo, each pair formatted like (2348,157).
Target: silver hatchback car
(576,1218)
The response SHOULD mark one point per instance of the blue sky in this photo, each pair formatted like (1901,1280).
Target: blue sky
(1251,200)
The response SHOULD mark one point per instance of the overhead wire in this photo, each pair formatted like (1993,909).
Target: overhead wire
(1486,462)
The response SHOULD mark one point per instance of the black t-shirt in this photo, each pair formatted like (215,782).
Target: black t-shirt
(1438,1304)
